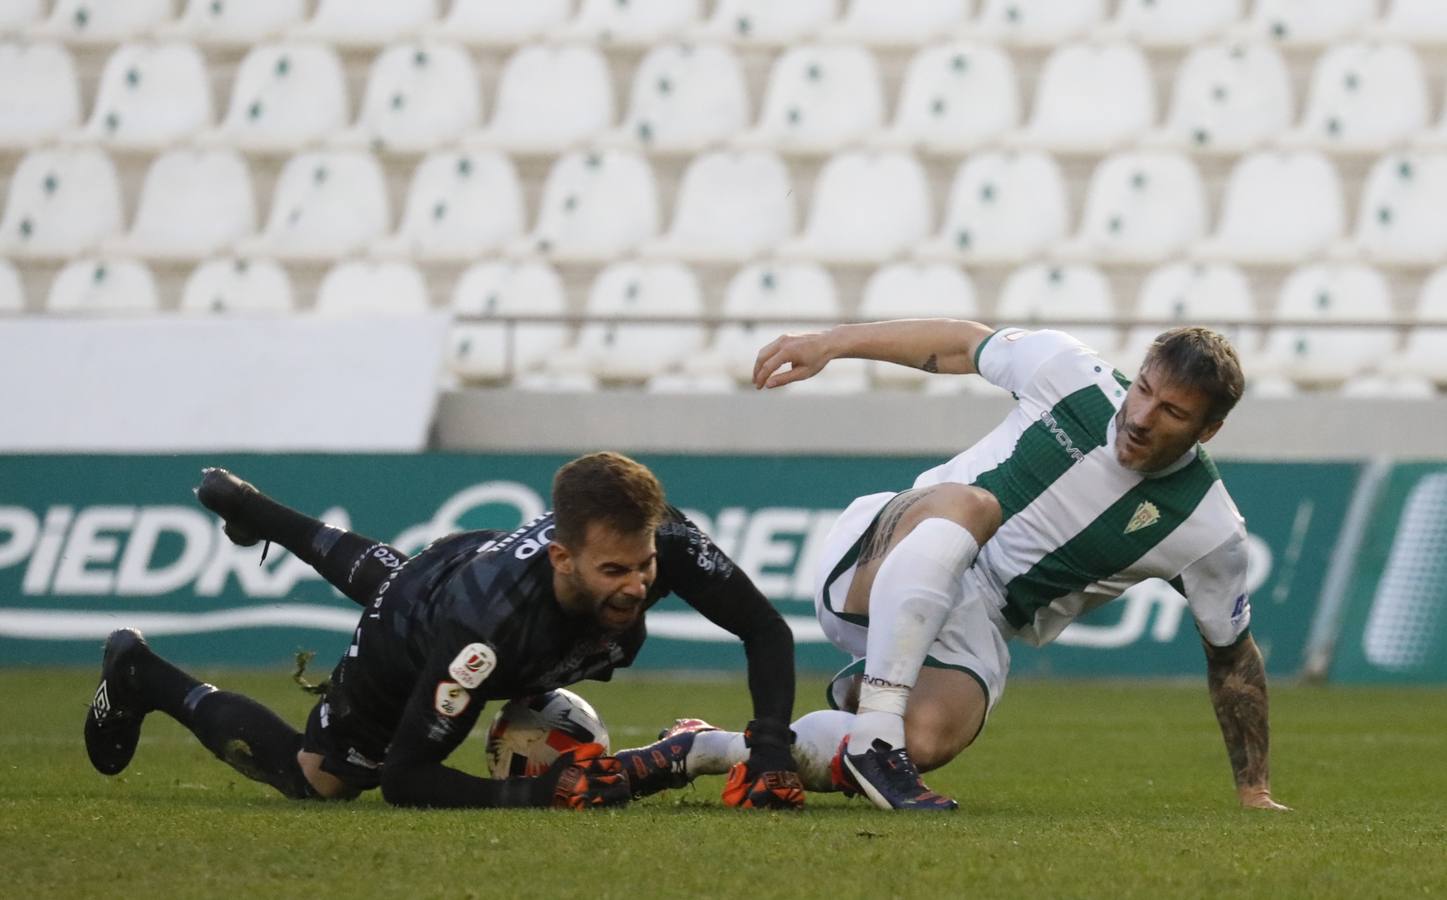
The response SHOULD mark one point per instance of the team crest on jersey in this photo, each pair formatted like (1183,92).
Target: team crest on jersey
(473,665)
(451,699)
(1145,516)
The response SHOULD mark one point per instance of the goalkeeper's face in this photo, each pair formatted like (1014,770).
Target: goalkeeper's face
(1160,420)
(607,576)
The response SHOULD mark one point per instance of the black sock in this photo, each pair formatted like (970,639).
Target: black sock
(249,738)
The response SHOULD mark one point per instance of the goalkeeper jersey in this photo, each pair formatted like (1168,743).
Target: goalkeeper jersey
(1077,527)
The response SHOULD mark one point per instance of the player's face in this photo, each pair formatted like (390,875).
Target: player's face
(1160,420)
(608,575)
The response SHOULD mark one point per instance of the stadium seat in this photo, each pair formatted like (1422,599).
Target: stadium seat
(92,22)
(1090,99)
(367,23)
(1364,97)
(12,291)
(103,286)
(1402,218)
(1278,208)
(632,23)
(369,287)
(39,93)
(1228,98)
(1003,207)
(596,205)
(461,205)
(498,290)
(898,22)
(684,99)
(16,15)
(286,96)
(732,205)
(915,291)
(326,205)
(1308,23)
(1041,294)
(1425,353)
(819,98)
(572,83)
(956,97)
(1323,292)
(867,207)
(1194,294)
(150,96)
(500,23)
(62,202)
(1383,387)
(419,96)
(235,24)
(1142,207)
(1035,23)
(1413,21)
(767,22)
(237,285)
(1170,23)
(620,344)
(194,203)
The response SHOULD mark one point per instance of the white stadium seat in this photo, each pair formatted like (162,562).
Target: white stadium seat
(633,23)
(15,15)
(1414,21)
(685,98)
(1036,23)
(368,287)
(194,203)
(1321,293)
(898,22)
(235,24)
(732,205)
(819,98)
(500,23)
(956,97)
(238,286)
(12,291)
(1364,97)
(572,83)
(767,22)
(367,23)
(39,93)
(1193,293)
(103,286)
(286,96)
(419,96)
(498,290)
(62,202)
(1091,98)
(868,207)
(1041,293)
(596,205)
(1308,22)
(1278,208)
(327,204)
(623,345)
(1171,23)
(1003,207)
(1142,206)
(462,204)
(1425,354)
(1402,218)
(151,95)
(89,22)
(1228,98)
(915,291)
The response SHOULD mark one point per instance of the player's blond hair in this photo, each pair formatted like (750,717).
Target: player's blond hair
(609,488)
(1202,359)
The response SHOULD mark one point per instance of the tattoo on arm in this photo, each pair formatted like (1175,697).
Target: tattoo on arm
(1237,680)
(878,538)
(932,365)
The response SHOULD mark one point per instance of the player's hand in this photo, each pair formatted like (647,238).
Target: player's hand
(584,778)
(769,778)
(805,354)
(1259,798)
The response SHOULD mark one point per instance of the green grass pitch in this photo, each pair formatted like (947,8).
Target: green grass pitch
(1074,789)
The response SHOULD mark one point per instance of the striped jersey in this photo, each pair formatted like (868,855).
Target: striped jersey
(1077,527)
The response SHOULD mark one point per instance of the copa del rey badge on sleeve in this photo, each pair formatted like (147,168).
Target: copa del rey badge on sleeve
(473,665)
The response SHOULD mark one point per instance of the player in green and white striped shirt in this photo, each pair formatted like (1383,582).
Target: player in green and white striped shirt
(1092,484)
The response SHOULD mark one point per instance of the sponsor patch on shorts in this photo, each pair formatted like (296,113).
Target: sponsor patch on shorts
(451,699)
(473,665)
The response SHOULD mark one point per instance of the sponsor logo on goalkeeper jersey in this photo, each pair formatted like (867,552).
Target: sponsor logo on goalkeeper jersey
(451,699)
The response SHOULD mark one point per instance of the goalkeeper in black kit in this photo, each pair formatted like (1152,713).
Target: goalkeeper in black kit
(476,616)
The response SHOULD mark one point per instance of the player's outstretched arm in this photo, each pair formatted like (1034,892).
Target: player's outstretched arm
(1237,679)
(934,345)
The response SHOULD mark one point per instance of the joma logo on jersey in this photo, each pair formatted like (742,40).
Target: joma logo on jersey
(1061,437)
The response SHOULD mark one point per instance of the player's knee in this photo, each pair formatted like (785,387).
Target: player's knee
(935,735)
(974,508)
(324,785)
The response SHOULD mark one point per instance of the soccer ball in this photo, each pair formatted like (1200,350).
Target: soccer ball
(528,734)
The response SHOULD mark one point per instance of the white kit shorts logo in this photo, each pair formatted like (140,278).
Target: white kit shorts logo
(473,665)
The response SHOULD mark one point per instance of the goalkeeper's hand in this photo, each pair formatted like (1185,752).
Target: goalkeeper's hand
(584,778)
(769,778)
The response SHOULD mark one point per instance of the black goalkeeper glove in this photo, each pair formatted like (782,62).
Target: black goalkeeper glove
(582,778)
(769,779)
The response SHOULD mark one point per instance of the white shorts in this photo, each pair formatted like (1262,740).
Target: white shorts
(969,640)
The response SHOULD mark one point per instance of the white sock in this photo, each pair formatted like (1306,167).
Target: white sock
(817,736)
(914,590)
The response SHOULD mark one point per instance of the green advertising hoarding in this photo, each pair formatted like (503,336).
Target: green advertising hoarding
(91,543)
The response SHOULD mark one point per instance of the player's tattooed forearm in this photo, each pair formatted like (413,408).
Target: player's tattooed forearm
(932,365)
(879,538)
(1237,680)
